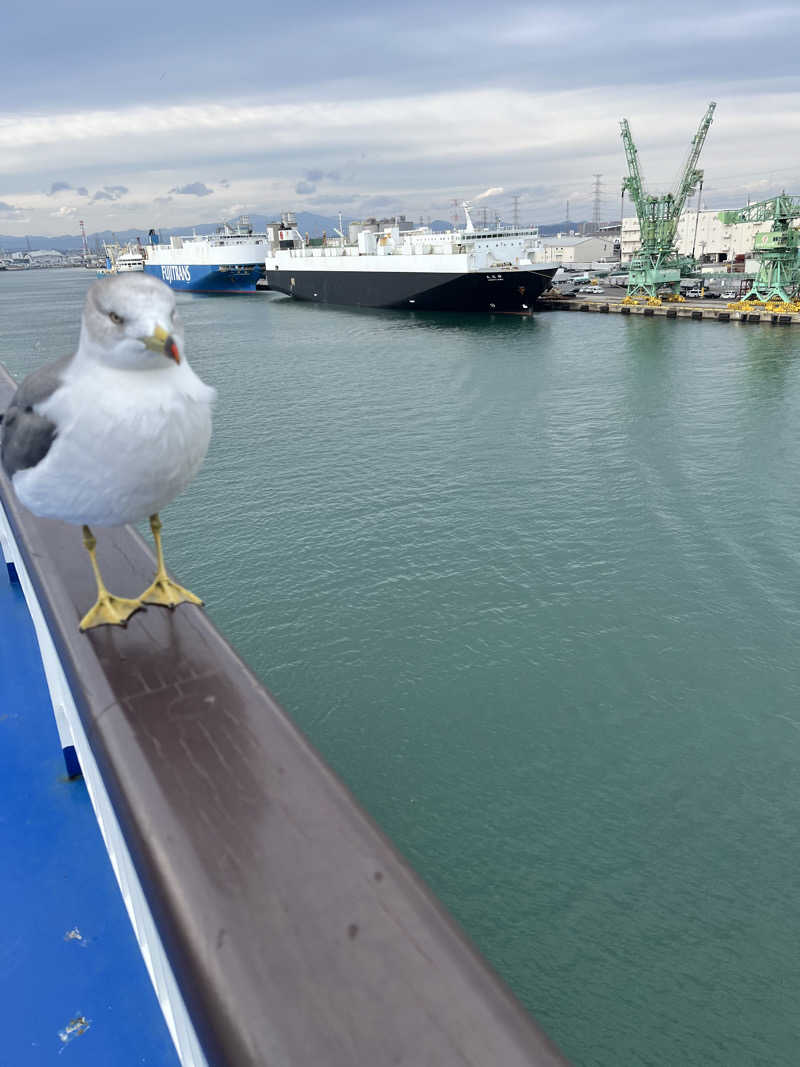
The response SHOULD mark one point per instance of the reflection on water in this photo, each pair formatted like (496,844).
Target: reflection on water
(771,352)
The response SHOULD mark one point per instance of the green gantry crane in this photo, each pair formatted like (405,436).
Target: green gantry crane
(657,264)
(777,249)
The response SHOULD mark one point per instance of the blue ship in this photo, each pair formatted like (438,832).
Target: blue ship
(231,260)
(207,278)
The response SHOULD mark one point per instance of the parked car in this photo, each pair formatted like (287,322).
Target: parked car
(730,294)
(693,293)
(710,294)
(594,289)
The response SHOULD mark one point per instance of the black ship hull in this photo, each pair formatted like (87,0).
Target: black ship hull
(485,291)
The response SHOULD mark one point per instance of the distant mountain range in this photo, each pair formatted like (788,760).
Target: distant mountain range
(547,229)
(307,222)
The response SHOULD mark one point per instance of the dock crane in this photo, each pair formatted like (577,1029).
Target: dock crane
(657,264)
(85,244)
(777,249)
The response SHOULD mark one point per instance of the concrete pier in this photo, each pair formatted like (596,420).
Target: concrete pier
(693,311)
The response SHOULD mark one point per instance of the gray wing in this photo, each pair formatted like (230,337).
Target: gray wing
(25,435)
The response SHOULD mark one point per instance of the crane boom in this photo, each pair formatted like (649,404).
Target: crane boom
(634,183)
(777,208)
(85,242)
(690,175)
(657,262)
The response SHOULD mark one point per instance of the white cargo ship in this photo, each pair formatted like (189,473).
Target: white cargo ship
(485,270)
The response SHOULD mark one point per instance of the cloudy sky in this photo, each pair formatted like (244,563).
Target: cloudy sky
(171,113)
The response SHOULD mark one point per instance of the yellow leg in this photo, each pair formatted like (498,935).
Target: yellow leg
(108,610)
(163,590)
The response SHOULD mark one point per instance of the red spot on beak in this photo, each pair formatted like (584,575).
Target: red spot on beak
(171,350)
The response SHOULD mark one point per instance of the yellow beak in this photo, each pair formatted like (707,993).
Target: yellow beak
(163,342)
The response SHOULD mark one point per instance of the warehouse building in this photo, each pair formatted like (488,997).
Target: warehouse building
(577,249)
(47,258)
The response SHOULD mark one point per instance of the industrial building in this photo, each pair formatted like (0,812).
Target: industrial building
(713,241)
(577,249)
(46,258)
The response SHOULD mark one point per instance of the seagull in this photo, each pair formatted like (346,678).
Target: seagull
(113,433)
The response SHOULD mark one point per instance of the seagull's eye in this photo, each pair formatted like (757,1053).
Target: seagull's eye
(115,318)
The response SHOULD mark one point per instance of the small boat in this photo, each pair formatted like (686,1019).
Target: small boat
(122,259)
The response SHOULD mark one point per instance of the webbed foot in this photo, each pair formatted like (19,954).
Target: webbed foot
(167,593)
(110,610)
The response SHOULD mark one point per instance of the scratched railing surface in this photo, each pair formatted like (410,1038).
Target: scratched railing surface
(296,933)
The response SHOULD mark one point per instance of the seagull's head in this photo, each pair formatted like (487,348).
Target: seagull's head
(130,322)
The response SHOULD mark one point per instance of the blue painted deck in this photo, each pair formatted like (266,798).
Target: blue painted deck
(67,951)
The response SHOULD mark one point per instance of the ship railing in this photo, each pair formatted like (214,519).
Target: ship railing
(322,252)
(215,242)
(218,240)
(278,924)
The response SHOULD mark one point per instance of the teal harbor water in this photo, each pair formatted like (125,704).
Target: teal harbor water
(532,587)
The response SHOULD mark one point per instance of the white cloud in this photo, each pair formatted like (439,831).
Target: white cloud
(682,27)
(481,122)
(417,151)
(493,191)
(10,211)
